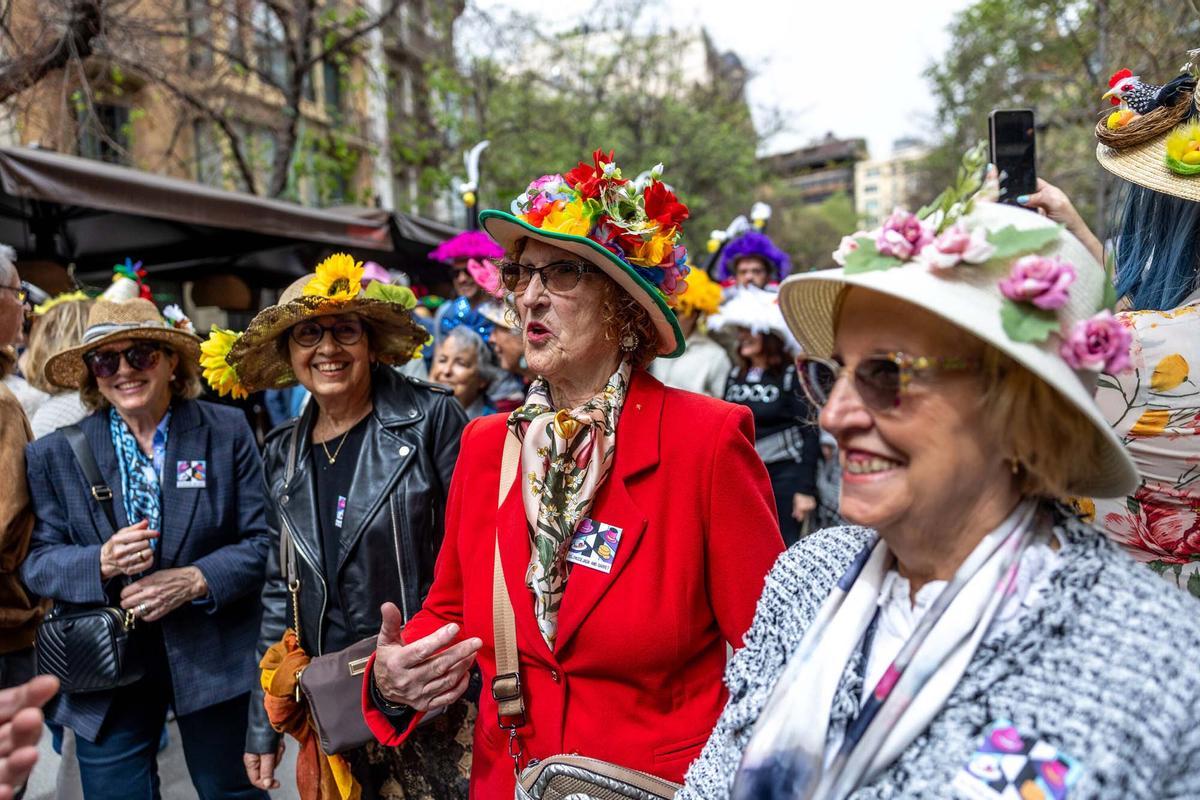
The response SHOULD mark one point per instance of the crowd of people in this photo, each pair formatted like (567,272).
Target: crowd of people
(939,503)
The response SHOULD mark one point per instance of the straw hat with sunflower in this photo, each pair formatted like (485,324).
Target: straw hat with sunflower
(240,363)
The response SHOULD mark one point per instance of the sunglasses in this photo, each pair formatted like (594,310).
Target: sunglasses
(557,277)
(880,380)
(310,332)
(105,363)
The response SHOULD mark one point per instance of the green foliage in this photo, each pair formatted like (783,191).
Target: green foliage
(810,233)
(1010,242)
(401,295)
(1027,323)
(867,258)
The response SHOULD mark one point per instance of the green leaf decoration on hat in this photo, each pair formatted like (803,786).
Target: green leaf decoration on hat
(957,201)
(389,293)
(1109,301)
(867,258)
(1011,242)
(1027,323)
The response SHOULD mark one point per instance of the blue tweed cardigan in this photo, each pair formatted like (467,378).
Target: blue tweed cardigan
(1106,667)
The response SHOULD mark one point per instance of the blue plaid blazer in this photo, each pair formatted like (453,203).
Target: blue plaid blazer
(219,528)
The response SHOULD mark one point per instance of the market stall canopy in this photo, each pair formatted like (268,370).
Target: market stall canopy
(74,210)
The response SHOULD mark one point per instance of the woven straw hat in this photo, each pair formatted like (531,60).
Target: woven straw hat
(262,364)
(113,320)
(969,298)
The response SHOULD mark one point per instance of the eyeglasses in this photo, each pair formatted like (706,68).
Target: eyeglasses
(310,332)
(880,380)
(557,277)
(105,363)
(19,291)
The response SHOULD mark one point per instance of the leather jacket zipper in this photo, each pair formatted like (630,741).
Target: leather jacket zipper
(399,566)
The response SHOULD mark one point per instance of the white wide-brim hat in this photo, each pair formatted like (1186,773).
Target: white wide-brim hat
(968,296)
(756,310)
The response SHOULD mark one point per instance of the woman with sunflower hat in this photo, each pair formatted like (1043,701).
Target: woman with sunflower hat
(356,497)
(626,575)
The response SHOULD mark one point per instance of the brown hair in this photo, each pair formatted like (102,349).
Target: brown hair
(185,385)
(775,351)
(1051,443)
(58,329)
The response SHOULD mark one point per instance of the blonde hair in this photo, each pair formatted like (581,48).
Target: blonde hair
(185,385)
(58,329)
(1051,443)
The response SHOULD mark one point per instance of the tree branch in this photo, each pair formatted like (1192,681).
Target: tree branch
(85,21)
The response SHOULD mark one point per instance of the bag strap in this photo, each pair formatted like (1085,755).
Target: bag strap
(506,686)
(91,472)
(287,545)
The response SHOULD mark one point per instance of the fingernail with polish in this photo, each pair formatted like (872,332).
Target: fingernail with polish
(1023,199)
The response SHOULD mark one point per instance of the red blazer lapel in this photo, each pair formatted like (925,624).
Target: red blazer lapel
(637,450)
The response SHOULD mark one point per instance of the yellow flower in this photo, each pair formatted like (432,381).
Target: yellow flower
(652,253)
(1183,147)
(1170,372)
(221,376)
(571,218)
(338,277)
(1152,422)
(564,425)
(1085,507)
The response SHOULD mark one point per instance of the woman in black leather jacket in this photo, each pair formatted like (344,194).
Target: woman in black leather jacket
(364,499)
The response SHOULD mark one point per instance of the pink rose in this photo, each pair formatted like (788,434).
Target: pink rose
(903,235)
(1099,344)
(955,246)
(1040,280)
(847,246)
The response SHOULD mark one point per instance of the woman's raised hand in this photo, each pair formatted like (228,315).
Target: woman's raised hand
(426,674)
(128,551)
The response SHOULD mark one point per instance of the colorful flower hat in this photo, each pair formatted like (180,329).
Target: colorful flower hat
(123,311)
(1006,276)
(632,230)
(753,244)
(756,310)
(703,294)
(240,363)
(1152,137)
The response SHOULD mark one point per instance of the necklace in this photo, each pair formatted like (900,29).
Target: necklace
(336,450)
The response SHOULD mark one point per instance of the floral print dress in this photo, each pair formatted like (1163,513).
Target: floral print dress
(1154,406)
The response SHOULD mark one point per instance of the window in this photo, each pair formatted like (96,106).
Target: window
(333,88)
(209,158)
(870,188)
(233,30)
(270,43)
(199,30)
(873,172)
(104,135)
(872,206)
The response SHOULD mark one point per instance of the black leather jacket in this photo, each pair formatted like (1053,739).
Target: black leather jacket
(402,478)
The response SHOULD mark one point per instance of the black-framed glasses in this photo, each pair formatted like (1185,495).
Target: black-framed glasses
(140,356)
(557,276)
(880,380)
(20,291)
(309,333)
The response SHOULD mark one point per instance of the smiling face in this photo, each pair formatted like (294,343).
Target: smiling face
(566,334)
(138,392)
(456,366)
(919,468)
(749,344)
(464,284)
(330,369)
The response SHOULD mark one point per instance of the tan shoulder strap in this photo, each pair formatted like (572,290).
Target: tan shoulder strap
(506,686)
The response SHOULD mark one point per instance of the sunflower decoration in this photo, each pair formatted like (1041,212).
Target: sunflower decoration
(219,373)
(338,278)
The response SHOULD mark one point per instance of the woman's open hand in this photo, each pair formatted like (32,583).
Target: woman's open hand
(427,673)
(160,593)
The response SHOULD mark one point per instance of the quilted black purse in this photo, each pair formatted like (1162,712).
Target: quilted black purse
(89,649)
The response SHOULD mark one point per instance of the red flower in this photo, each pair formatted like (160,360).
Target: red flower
(535,216)
(663,207)
(587,178)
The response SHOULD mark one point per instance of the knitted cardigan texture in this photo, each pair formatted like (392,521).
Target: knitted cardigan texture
(1105,667)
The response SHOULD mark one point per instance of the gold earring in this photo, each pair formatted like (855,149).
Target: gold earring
(1015,465)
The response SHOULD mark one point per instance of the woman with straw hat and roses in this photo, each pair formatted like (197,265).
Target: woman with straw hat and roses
(186,559)
(628,564)
(972,638)
(358,484)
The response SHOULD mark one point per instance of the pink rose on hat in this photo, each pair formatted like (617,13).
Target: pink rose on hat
(1099,344)
(903,235)
(957,245)
(1041,280)
(847,246)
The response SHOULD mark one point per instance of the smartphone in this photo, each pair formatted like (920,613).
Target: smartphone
(1011,137)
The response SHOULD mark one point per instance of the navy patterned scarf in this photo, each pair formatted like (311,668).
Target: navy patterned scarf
(141,492)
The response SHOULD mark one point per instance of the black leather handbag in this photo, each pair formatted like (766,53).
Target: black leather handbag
(89,649)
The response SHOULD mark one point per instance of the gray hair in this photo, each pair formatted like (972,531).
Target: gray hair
(465,337)
(8,267)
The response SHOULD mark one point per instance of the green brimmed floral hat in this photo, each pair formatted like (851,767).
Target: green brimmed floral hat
(240,363)
(630,229)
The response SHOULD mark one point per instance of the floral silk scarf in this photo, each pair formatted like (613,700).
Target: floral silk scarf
(565,458)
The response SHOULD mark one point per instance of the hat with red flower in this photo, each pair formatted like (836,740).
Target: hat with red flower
(630,229)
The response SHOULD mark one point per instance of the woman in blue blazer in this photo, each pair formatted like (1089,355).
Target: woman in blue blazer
(187,559)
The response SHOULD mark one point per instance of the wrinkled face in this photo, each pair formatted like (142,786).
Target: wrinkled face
(330,368)
(749,344)
(751,272)
(565,332)
(913,464)
(12,312)
(136,391)
(456,366)
(464,284)
(509,347)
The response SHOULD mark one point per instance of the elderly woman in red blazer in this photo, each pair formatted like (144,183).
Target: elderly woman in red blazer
(640,527)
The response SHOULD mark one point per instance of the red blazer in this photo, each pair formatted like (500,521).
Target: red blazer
(636,674)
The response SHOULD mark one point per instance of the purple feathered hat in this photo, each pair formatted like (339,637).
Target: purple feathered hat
(468,244)
(753,243)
